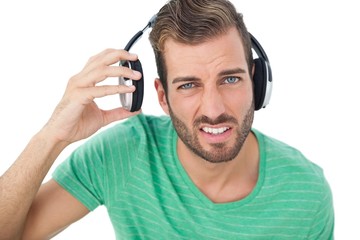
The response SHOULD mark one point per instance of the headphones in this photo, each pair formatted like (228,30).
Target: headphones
(262,79)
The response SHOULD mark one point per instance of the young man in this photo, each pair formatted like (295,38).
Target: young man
(203,173)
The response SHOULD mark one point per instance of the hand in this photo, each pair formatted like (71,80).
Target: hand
(77,116)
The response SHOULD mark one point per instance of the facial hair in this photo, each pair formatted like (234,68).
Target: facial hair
(219,151)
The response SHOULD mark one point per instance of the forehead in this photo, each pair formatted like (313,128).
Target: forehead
(207,58)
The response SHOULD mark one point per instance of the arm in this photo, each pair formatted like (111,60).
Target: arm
(76,117)
(52,211)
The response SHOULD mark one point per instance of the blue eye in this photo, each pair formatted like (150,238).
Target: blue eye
(231,80)
(187,86)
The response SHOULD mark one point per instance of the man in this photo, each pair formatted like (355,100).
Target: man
(202,173)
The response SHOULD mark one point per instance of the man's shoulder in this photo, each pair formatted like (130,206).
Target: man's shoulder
(293,183)
(283,158)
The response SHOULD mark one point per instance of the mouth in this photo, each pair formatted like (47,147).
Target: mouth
(215,131)
(215,135)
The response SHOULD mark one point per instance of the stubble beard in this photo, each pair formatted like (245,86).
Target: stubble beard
(219,152)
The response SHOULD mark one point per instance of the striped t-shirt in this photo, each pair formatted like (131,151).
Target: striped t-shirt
(132,168)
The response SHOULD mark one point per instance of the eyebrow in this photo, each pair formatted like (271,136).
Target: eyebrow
(231,71)
(196,79)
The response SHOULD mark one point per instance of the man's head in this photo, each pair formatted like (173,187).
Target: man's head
(193,22)
(204,59)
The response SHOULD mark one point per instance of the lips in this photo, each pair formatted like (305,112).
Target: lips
(215,135)
(217,130)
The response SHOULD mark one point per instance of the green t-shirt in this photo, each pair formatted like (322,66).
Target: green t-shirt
(133,169)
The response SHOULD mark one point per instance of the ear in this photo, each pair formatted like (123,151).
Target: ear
(161,95)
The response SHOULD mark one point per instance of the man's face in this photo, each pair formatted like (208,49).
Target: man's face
(210,96)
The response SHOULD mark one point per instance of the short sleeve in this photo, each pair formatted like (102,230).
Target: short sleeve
(323,224)
(82,175)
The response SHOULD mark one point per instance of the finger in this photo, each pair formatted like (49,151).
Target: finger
(116,114)
(87,95)
(100,74)
(120,71)
(111,56)
(96,72)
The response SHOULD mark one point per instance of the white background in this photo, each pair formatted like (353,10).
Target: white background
(312,46)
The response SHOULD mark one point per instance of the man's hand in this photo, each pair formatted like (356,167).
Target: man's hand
(77,116)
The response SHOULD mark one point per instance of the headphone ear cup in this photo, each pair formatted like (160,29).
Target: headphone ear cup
(132,101)
(138,94)
(260,82)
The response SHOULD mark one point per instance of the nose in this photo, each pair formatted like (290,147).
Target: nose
(212,103)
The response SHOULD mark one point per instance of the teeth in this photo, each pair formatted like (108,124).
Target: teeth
(215,130)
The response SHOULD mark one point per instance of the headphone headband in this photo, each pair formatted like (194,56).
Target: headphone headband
(258,48)
(262,77)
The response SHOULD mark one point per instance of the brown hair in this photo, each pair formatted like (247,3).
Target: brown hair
(194,22)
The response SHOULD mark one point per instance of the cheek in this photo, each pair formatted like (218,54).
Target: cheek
(238,99)
(184,107)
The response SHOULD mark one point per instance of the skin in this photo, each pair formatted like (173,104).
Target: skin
(210,87)
(30,210)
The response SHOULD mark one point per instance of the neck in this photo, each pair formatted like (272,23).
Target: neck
(227,181)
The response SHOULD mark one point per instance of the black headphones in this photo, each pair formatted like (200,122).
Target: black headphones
(262,78)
